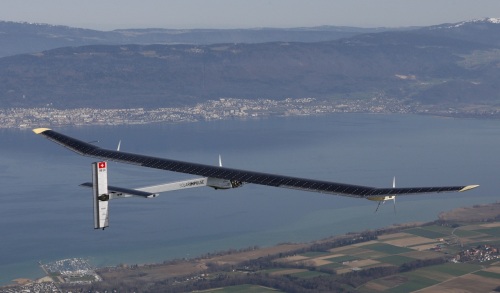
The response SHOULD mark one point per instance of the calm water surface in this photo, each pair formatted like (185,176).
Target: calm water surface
(45,215)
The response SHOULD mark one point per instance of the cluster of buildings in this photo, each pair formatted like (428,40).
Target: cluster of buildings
(71,270)
(45,287)
(224,108)
(481,253)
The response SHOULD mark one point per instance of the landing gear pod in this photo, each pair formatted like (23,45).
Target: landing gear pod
(100,195)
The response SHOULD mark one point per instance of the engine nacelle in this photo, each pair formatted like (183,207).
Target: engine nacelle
(217,183)
(382,198)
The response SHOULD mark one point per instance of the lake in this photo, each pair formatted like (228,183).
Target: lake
(46,216)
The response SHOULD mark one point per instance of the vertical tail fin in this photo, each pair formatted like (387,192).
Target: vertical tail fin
(100,194)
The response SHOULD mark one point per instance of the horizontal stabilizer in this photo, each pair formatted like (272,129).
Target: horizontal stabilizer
(116,192)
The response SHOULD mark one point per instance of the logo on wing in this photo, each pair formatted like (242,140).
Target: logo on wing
(193,183)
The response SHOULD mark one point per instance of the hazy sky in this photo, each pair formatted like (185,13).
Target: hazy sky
(113,14)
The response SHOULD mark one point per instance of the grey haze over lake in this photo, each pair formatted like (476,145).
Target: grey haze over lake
(46,216)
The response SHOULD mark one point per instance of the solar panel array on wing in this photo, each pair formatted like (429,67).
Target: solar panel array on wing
(87,149)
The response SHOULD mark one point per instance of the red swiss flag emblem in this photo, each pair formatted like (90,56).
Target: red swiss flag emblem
(102,165)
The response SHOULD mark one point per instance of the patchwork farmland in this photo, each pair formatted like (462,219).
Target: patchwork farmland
(457,253)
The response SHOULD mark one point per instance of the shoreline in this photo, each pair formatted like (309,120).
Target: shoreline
(188,266)
(231,108)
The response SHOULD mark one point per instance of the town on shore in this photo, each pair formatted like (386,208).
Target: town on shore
(227,108)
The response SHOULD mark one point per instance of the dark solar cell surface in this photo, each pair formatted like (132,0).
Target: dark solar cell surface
(90,150)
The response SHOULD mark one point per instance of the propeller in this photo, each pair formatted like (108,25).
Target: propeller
(119,143)
(220,161)
(394,197)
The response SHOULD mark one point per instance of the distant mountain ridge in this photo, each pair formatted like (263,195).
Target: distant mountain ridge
(456,65)
(473,31)
(22,37)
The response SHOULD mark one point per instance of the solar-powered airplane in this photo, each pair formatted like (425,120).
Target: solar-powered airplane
(217,177)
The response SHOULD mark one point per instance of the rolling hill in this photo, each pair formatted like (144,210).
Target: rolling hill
(447,64)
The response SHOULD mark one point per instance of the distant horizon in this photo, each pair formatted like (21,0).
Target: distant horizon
(234,14)
(247,28)
(220,28)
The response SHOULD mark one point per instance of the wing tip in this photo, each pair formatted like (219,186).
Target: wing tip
(40,130)
(468,187)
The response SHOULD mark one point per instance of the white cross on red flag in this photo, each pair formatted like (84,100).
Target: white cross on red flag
(102,165)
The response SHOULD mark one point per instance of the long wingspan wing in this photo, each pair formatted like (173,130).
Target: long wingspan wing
(358,191)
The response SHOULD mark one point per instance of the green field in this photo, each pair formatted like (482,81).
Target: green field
(495,232)
(396,260)
(445,230)
(467,233)
(242,289)
(351,251)
(427,233)
(313,254)
(455,269)
(384,254)
(309,274)
(488,275)
(371,254)
(413,283)
(387,248)
(334,265)
(341,259)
